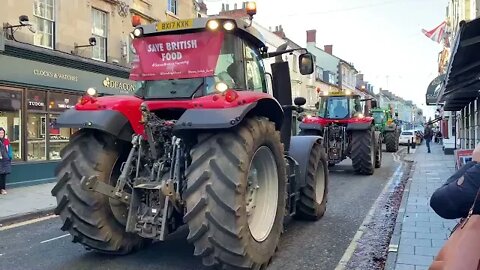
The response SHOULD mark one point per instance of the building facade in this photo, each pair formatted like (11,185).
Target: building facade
(43,71)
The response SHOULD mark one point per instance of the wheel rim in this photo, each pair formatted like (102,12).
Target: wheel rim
(319,183)
(262,193)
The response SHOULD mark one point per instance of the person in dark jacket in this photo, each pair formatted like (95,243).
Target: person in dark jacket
(428,135)
(5,160)
(454,199)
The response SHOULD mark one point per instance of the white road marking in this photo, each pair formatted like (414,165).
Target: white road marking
(353,244)
(55,238)
(26,222)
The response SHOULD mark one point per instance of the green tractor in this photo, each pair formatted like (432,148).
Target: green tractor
(387,125)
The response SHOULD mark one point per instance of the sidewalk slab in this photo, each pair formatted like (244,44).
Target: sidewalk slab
(420,232)
(25,201)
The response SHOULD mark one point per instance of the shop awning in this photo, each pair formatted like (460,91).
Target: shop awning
(462,80)
(433,89)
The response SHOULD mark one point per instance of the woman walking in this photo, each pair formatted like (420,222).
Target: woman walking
(5,160)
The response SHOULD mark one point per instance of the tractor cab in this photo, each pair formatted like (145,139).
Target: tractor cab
(192,58)
(339,105)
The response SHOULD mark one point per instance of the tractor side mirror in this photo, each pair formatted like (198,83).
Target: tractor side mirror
(374,103)
(299,101)
(396,114)
(305,63)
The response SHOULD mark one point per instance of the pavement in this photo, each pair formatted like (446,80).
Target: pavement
(304,245)
(25,202)
(419,232)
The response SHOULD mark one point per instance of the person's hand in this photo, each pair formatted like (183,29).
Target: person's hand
(476,153)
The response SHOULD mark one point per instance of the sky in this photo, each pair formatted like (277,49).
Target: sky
(382,38)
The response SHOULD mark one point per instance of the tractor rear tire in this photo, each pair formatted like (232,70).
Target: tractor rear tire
(378,151)
(313,197)
(220,198)
(363,151)
(391,141)
(92,218)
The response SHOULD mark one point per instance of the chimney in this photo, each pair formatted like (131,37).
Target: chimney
(312,36)
(279,32)
(235,6)
(223,7)
(244,5)
(328,49)
(227,6)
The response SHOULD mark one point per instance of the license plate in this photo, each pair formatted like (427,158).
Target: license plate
(174,25)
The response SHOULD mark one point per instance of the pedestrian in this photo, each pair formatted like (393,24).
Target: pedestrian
(454,199)
(428,135)
(6,155)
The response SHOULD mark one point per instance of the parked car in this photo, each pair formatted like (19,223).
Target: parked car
(406,136)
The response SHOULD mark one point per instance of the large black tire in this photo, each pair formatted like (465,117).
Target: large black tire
(216,196)
(312,205)
(391,141)
(91,218)
(378,150)
(363,151)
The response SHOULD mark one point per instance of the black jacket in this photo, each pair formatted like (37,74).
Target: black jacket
(455,198)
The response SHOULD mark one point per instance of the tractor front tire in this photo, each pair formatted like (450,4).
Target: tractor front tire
(363,151)
(378,150)
(391,141)
(227,200)
(92,218)
(313,197)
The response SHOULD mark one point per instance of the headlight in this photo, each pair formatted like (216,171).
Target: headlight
(91,91)
(212,25)
(360,115)
(348,92)
(221,87)
(229,26)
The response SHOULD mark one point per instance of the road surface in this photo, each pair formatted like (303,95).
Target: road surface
(304,245)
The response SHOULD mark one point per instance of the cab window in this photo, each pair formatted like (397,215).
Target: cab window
(254,70)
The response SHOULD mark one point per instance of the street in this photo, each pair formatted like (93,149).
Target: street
(304,245)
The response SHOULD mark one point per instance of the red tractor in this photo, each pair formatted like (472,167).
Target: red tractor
(347,131)
(201,144)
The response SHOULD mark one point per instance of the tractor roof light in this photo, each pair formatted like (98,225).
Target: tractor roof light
(138,32)
(251,8)
(213,25)
(229,25)
(360,115)
(348,92)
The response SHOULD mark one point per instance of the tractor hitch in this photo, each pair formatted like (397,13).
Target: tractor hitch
(92,184)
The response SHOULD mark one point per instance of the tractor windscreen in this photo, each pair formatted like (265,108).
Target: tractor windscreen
(379,117)
(339,107)
(186,65)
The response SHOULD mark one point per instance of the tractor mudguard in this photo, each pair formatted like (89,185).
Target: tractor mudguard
(109,121)
(222,118)
(359,126)
(304,126)
(300,147)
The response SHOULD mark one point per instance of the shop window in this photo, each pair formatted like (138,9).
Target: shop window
(99,31)
(36,125)
(59,137)
(10,118)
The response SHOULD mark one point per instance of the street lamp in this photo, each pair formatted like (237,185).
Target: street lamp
(23,22)
(91,42)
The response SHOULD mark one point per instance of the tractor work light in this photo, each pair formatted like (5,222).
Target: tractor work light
(348,92)
(91,92)
(229,26)
(360,115)
(221,87)
(137,32)
(213,25)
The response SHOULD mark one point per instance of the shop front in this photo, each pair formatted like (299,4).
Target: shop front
(32,95)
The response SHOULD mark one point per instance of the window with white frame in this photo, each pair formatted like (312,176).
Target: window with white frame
(44,19)
(99,31)
(172,6)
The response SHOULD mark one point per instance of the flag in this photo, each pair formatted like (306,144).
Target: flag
(438,34)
